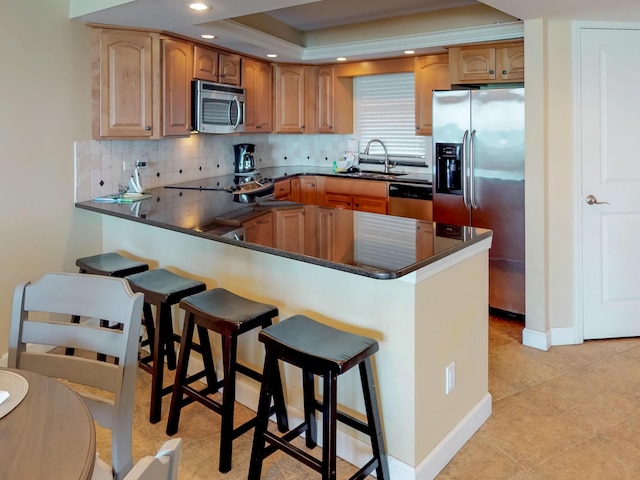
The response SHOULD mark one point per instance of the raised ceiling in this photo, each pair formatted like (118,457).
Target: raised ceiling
(318,31)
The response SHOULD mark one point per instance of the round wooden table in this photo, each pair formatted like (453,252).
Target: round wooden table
(50,434)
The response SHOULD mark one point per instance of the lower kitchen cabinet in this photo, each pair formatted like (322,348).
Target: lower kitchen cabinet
(260,230)
(290,229)
(362,195)
(308,190)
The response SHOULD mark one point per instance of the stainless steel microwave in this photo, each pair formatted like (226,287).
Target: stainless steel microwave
(217,108)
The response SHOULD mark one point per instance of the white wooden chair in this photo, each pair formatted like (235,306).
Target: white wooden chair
(98,297)
(164,466)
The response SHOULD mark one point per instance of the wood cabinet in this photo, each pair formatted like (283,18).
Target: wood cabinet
(216,66)
(308,190)
(257,79)
(311,99)
(431,73)
(424,239)
(282,189)
(260,230)
(488,63)
(176,87)
(290,229)
(363,195)
(142,85)
(331,245)
(126,78)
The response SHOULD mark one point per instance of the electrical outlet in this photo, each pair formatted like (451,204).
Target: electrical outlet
(450,378)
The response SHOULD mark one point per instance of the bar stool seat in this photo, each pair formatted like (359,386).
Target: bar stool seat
(110,264)
(228,315)
(163,289)
(325,351)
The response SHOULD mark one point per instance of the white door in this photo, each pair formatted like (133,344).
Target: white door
(610,148)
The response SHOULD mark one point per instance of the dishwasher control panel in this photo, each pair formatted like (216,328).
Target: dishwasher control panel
(410,190)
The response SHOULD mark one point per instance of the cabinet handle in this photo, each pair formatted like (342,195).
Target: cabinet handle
(504,72)
(147,128)
(492,72)
(313,184)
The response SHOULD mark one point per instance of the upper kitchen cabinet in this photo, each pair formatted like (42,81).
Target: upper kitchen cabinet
(216,66)
(311,99)
(126,79)
(431,73)
(488,63)
(142,85)
(176,87)
(257,79)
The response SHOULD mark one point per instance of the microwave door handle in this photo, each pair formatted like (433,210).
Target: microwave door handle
(463,174)
(238,108)
(472,177)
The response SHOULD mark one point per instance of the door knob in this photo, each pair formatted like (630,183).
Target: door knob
(592,200)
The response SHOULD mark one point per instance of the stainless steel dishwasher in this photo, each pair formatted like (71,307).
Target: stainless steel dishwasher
(412,200)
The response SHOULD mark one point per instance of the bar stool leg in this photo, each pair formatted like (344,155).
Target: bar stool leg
(280,407)
(329,426)
(373,419)
(309,397)
(262,419)
(181,375)
(157,373)
(207,359)
(229,353)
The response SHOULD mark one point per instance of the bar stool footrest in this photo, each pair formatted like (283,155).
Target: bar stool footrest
(281,443)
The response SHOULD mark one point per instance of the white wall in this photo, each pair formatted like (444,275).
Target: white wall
(46,86)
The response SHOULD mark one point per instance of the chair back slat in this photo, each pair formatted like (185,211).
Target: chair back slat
(164,466)
(108,298)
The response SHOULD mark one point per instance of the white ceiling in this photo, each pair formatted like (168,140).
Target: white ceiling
(316,16)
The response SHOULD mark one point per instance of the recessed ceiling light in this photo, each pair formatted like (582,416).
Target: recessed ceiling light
(207,36)
(341,59)
(272,55)
(409,52)
(199,6)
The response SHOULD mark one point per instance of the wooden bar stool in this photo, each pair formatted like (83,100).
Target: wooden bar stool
(229,315)
(327,352)
(109,264)
(163,289)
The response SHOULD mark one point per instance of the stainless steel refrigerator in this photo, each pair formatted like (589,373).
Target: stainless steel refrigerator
(478,161)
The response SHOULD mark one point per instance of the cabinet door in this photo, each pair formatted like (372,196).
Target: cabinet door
(260,230)
(176,87)
(257,79)
(296,194)
(473,65)
(326,233)
(338,200)
(324,103)
(431,73)
(229,68)
(282,189)
(290,98)
(308,190)
(510,63)
(126,85)
(290,230)
(205,64)
(370,204)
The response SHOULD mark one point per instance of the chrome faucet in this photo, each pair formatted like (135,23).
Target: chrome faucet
(387,167)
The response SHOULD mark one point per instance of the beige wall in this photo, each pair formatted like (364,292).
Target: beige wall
(549,176)
(45,107)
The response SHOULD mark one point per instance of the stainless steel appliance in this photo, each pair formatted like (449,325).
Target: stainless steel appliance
(478,152)
(411,200)
(244,162)
(217,108)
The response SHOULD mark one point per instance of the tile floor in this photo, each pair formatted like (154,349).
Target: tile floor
(570,413)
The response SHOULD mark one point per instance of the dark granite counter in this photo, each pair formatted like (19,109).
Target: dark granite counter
(372,245)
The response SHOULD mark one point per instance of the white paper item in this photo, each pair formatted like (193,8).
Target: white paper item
(3,396)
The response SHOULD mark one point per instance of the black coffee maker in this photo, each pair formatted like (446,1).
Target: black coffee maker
(244,162)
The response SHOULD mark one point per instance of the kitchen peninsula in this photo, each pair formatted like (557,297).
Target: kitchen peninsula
(418,288)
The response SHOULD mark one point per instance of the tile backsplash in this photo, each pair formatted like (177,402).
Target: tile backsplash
(102,165)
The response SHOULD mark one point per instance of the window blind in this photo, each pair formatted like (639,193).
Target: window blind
(385,109)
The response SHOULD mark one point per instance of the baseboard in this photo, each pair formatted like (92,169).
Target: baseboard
(451,444)
(554,336)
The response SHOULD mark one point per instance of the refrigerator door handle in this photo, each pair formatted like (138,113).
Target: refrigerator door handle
(464,174)
(472,193)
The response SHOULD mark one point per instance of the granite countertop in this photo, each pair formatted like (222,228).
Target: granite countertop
(368,244)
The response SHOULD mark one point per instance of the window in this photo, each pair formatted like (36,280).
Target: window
(385,109)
